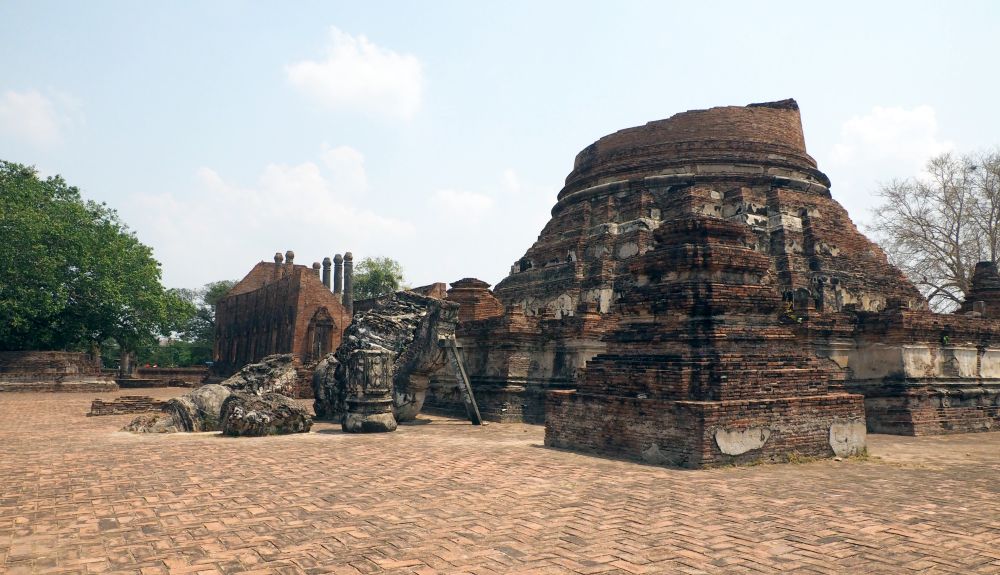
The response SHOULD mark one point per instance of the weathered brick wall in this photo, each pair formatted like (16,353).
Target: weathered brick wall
(498,400)
(52,371)
(683,433)
(125,404)
(475,299)
(84,386)
(47,363)
(922,373)
(932,409)
(253,324)
(317,302)
(436,290)
(701,348)
(303,388)
(514,359)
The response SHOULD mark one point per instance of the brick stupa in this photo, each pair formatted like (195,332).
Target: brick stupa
(577,306)
(702,370)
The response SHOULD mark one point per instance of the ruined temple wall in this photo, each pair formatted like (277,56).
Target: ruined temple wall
(583,253)
(274,318)
(812,243)
(924,373)
(931,409)
(253,324)
(816,243)
(514,360)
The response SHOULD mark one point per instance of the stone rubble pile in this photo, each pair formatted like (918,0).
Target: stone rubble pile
(255,409)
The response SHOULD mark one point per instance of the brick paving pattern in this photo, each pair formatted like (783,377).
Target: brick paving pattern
(446,497)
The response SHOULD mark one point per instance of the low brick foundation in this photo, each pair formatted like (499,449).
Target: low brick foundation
(175,376)
(140,383)
(58,386)
(935,408)
(124,405)
(52,371)
(693,433)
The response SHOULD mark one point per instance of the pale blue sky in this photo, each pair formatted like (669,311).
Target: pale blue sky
(439,133)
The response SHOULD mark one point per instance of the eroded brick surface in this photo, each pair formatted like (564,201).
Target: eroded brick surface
(447,497)
(52,371)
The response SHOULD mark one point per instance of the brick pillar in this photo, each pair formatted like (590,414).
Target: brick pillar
(338,275)
(278,259)
(326,272)
(289,259)
(348,283)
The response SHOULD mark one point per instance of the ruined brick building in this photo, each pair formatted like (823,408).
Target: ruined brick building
(282,307)
(697,275)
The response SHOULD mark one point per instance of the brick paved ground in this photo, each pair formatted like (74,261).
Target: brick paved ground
(446,497)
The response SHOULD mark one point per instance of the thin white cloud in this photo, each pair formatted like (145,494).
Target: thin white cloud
(358,75)
(886,143)
(512,183)
(462,206)
(891,134)
(347,167)
(36,119)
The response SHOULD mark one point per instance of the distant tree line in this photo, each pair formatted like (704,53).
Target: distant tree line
(194,342)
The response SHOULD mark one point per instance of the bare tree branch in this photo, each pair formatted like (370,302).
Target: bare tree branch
(936,227)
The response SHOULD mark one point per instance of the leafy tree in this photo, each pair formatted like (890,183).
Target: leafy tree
(195,341)
(72,275)
(377,276)
(937,226)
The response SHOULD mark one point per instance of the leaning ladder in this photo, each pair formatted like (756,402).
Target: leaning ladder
(463,381)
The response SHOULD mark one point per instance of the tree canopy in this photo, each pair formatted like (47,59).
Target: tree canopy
(377,276)
(194,342)
(935,227)
(72,274)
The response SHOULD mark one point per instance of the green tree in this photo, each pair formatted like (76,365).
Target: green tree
(199,333)
(72,275)
(377,276)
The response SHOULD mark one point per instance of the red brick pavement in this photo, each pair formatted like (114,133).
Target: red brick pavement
(446,497)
